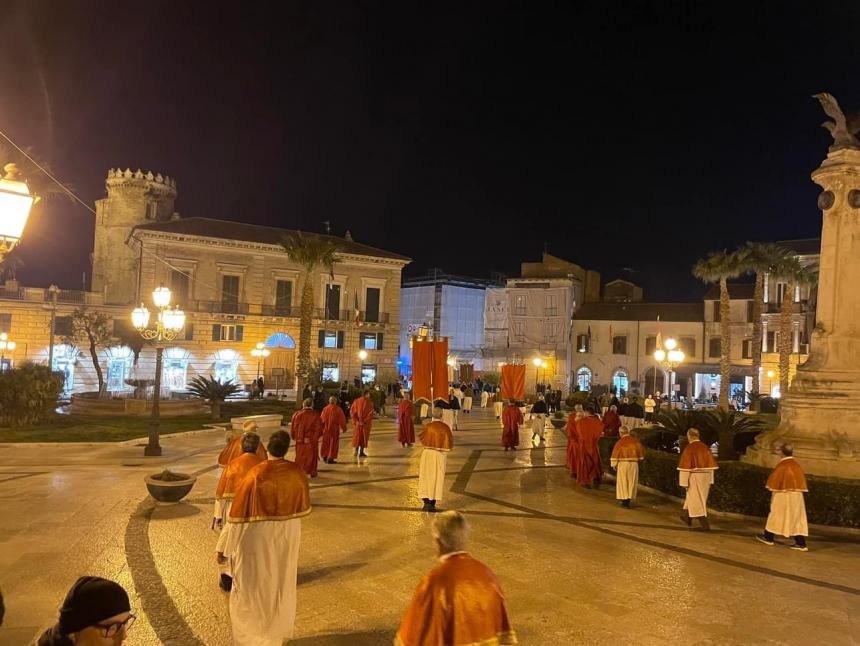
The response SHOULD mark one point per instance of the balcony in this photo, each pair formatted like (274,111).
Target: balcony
(379,317)
(285,311)
(218,307)
(39,294)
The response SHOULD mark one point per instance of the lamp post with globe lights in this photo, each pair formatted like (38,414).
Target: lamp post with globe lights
(168,324)
(669,359)
(770,374)
(261,353)
(16,201)
(5,344)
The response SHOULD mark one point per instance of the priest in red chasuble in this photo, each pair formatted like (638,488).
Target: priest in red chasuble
(627,453)
(437,440)
(305,429)
(334,423)
(787,484)
(234,444)
(361,414)
(512,417)
(405,423)
(696,474)
(589,470)
(573,439)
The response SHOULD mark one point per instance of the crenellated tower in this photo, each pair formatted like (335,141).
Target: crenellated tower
(133,198)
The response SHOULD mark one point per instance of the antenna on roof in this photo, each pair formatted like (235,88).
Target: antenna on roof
(327,226)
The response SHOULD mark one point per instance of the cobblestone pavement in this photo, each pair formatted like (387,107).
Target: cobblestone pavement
(576,568)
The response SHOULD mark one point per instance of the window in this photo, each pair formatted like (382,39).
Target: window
(620,382)
(189,331)
(226,366)
(582,343)
(230,294)
(179,286)
(650,345)
(368,373)
(64,362)
(175,370)
(371,305)
(520,305)
(519,331)
(370,340)
(330,339)
(714,347)
(688,346)
(283,297)
(227,332)
(550,332)
(619,345)
(747,349)
(331,372)
(716,310)
(771,342)
(5,323)
(583,378)
(332,302)
(63,325)
(750,305)
(551,308)
(117,373)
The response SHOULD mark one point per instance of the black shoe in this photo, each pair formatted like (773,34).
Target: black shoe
(362,454)
(356,453)
(685,518)
(626,503)
(332,461)
(703,521)
(426,506)
(226,583)
(433,506)
(763,539)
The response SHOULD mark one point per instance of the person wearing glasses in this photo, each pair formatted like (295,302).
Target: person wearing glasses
(95,612)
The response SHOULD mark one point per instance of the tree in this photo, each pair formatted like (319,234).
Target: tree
(213,391)
(760,259)
(311,252)
(795,275)
(718,267)
(723,425)
(95,330)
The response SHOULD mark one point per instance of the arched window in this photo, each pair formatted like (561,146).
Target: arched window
(281,340)
(118,367)
(583,378)
(175,371)
(65,357)
(620,382)
(227,366)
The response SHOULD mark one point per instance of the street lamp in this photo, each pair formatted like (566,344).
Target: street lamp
(168,324)
(15,204)
(261,353)
(5,344)
(770,374)
(669,361)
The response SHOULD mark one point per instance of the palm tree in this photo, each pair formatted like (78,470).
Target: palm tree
(795,275)
(760,259)
(718,267)
(213,391)
(723,425)
(311,252)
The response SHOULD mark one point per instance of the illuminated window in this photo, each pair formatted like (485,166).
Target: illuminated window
(583,378)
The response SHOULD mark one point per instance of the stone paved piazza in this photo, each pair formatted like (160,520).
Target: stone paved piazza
(576,568)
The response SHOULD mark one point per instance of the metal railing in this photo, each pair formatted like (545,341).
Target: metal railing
(218,307)
(281,310)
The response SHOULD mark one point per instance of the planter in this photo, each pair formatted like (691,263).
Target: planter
(558,423)
(169,488)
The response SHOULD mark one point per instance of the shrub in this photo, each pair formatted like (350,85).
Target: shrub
(213,391)
(740,488)
(580,397)
(28,394)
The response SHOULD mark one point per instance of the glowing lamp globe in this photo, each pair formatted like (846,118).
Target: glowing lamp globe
(676,356)
(660,355)
(362,354)
(770,374)
(536,361)
(173,320)
(543,364)
(140,317)
(15,204)
(670,343)
(161,296)
(10,345)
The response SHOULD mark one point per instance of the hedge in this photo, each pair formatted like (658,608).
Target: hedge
(28,394)
(740,488)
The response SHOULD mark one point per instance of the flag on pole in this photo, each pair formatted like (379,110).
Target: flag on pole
(357,311)
(659,335)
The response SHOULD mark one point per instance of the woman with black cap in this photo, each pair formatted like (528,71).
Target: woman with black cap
(95,612)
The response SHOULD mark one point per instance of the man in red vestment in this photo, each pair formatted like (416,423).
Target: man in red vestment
(334,422)
(459,602)
(234,444)
(361,414)
(512,417)
(305,429)
(611,422)
(573,439)
(405,423)
(588,467)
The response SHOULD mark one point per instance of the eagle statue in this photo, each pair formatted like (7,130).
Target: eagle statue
(842,128)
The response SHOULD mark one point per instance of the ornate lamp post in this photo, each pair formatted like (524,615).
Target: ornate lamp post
(15,204)
(167,325)
(770,374)
(669,361)
(5,344)
(261,353)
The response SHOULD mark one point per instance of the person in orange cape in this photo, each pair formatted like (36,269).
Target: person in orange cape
(261,545)
(611,422)
(787,517)
(459,602)
(437,440)
(234,444)
(305,429)
(226,490)
(696,474)
(589,470)
(334,422)
(512,417)
(405,423)
(573,439)
(361,413)
(627,453)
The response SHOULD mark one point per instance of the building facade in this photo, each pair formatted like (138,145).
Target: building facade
(237,286)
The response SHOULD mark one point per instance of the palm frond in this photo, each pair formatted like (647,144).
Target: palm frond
(211,389)
(310,251)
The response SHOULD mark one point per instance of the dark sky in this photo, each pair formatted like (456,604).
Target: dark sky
(464,135)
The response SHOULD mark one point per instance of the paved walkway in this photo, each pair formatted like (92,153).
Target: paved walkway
(576,568)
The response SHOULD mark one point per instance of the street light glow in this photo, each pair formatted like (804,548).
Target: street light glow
(362,354)
(140,317)
(670,343)
(161,296)
(536,362)
(15,204)
(659,355)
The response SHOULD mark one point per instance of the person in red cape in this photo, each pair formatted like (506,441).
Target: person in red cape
(405,423)
(589,470)
(627,453)
(787,517)
(611,422)
(696,474)
(361,413)
(305,429)
(334,422)
(512,417)
(234,444)
(459,602)
(573,439)
(437,441)
(261,544)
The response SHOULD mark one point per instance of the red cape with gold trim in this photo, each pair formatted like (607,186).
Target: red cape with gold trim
(437,435)
(697,456)
(787,476)
(628,449)
(233,474)
(234,449)
(272,490)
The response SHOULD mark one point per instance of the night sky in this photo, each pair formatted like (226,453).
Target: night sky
(464,135)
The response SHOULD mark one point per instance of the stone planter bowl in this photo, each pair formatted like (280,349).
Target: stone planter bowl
(558,423)
(169,492)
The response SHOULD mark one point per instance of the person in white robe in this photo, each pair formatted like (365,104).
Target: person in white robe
(485,397)
(787,517)
(696,474)
(262,545)
(437,440)
(626,455)
(539,413)
(498,404)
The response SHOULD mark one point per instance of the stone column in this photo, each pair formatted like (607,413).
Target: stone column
(819,410)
